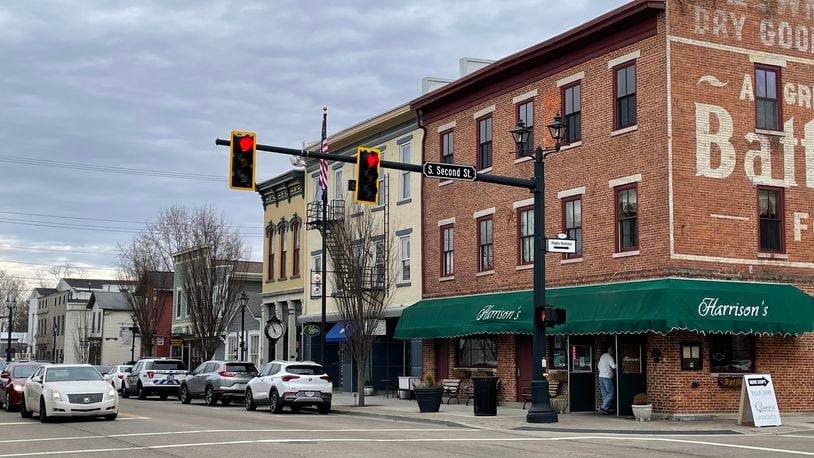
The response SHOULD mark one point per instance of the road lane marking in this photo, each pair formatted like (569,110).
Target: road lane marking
(18,423)
(797,435)
(456,439)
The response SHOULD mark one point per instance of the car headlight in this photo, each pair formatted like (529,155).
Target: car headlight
(112,393)
(56,396)
(18,388)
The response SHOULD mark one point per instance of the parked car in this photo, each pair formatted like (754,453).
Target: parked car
(12,381)
(149,376)
(103,369)
(66,390)
(290,383)
(115,376)
(2,364)
(215,381)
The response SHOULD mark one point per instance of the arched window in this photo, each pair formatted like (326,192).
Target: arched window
(295,237)
(283,249)
(270,245)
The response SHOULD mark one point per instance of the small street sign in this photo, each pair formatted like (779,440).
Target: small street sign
(311,330)
(561,246)
(449,171)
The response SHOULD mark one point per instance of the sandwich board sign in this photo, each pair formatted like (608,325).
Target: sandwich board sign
(758,403)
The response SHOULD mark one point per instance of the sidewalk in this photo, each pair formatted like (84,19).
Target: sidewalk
(511,416)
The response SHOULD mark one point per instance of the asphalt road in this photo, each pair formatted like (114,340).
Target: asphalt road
(153,427)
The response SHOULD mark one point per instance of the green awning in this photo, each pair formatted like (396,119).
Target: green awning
(658,306)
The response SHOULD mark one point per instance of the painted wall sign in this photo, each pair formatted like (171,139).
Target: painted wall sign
(758,403)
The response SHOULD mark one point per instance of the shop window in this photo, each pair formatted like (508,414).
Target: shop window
(581,358)
(559,353)
(731,353)
(691,356)
(631,360)
(477,352)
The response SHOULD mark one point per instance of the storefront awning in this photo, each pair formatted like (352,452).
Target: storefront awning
(659,306)
(338,333)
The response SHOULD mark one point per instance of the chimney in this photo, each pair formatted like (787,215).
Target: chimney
(472,64)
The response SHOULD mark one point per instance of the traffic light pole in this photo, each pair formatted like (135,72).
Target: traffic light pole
(541,410)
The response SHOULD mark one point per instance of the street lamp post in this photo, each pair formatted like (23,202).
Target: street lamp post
(244,300)
(541,410)
(10,305)
(133,332)
(54,349)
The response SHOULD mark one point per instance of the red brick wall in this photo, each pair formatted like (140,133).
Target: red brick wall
(507,366)
(428,357)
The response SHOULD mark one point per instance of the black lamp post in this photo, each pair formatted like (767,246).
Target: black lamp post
(244,300)
(54,350)
(133,332)
(10,305)
(541,410)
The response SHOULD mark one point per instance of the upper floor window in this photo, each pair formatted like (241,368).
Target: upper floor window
(485,142)
(486,252)
(627,218)
(270,236)
(447,251)
(770,213)
(525,234)
(295,238)
(572,110)
(404,183)
(448,147)
(625,95)
(404,258)
(572,223)
(767,94)
(338,184)
(283,250)
(525,113)
(317,189)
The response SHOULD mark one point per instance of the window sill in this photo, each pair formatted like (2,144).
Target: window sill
(377,208)
(571,145)
(282,279)
(450,278)
(625,254)
(486,170)
(570,261)
(773,256)
(403,284)
(293,277)
(625,130)
(405,201)
(269,281)
(776,133)
(445,183)
(524,267)
(523,159)
(485,272)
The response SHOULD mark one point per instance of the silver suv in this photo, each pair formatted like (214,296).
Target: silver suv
(217,380)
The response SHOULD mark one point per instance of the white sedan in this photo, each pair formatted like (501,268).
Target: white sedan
(116,376)
(66,390)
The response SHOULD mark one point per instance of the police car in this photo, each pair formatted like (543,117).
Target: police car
(154,376)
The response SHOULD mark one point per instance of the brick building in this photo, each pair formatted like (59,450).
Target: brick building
(687,177)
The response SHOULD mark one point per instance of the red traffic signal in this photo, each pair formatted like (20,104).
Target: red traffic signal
(246,144)
(368,161)
(243,151)
(551,316)
(372,160)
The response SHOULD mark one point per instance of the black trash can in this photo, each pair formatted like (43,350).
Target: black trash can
(485,396)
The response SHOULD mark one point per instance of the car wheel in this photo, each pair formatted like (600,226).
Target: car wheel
(163,396)
(249,402)
(226,402)
(43,413)
(209,396)
(324,408)
(24,412)
(142,395)
(125,392)
(7,404)
(3,404)
(183,395)
(111,417)
(275,405)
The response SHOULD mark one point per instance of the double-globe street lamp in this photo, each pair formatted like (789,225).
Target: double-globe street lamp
(244,300)
(11,304)
(541,410)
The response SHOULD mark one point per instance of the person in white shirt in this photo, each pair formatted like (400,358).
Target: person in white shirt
(607,367)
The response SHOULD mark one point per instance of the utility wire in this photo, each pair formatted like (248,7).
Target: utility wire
(54,250)
(51,265)
(111,169)
(125,221)
(86,227)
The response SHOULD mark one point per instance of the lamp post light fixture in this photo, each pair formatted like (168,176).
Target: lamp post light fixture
(11,304)
(244,300)
(541,410)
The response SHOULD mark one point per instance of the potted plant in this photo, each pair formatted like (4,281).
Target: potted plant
(428,394)
(642,408)
(368,388)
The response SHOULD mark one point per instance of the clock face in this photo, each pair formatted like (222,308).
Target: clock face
(275,329)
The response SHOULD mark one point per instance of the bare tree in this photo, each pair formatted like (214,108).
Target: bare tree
(365,267)
(66,270)
(81,337)
(13,287)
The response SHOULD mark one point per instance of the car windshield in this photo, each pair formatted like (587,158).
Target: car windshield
(305,370)
(168,366)
(247,368)
(71,374)
(122,368)
(23,371)
(103,369)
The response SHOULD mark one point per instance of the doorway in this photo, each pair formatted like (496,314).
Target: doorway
(582,380)
(631,373)
(525,359)
(441,359)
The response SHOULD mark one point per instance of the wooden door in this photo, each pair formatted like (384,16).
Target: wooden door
(525,357)
(441,359)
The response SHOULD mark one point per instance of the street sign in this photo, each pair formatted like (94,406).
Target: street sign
(561,246)
(449,171)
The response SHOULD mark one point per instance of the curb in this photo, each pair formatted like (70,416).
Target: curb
(447,423)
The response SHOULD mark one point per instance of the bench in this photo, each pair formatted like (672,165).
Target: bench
(452,388)
(554,390)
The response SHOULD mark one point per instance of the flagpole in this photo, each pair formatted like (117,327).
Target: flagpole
(324,231)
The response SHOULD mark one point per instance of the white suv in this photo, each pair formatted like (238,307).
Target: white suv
(160,376)
(290,383)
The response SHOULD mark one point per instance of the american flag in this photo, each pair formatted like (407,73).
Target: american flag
(323,164)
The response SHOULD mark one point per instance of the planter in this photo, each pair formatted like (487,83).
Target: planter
(429,399)
(559,404)
(368,391)
(642,413)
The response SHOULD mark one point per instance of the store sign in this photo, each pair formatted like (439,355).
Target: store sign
(710,306)
(176,342)
(490,313)
(159,341)
(758,403)
(311,330)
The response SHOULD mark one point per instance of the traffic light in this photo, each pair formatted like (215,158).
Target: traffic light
(241,164)
(367,175)
(550,316)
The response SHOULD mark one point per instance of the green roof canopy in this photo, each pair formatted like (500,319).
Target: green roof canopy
(659,306)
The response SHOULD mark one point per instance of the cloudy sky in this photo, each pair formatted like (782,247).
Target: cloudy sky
(105,104)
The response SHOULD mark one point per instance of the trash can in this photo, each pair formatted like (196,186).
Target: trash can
(485,396)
